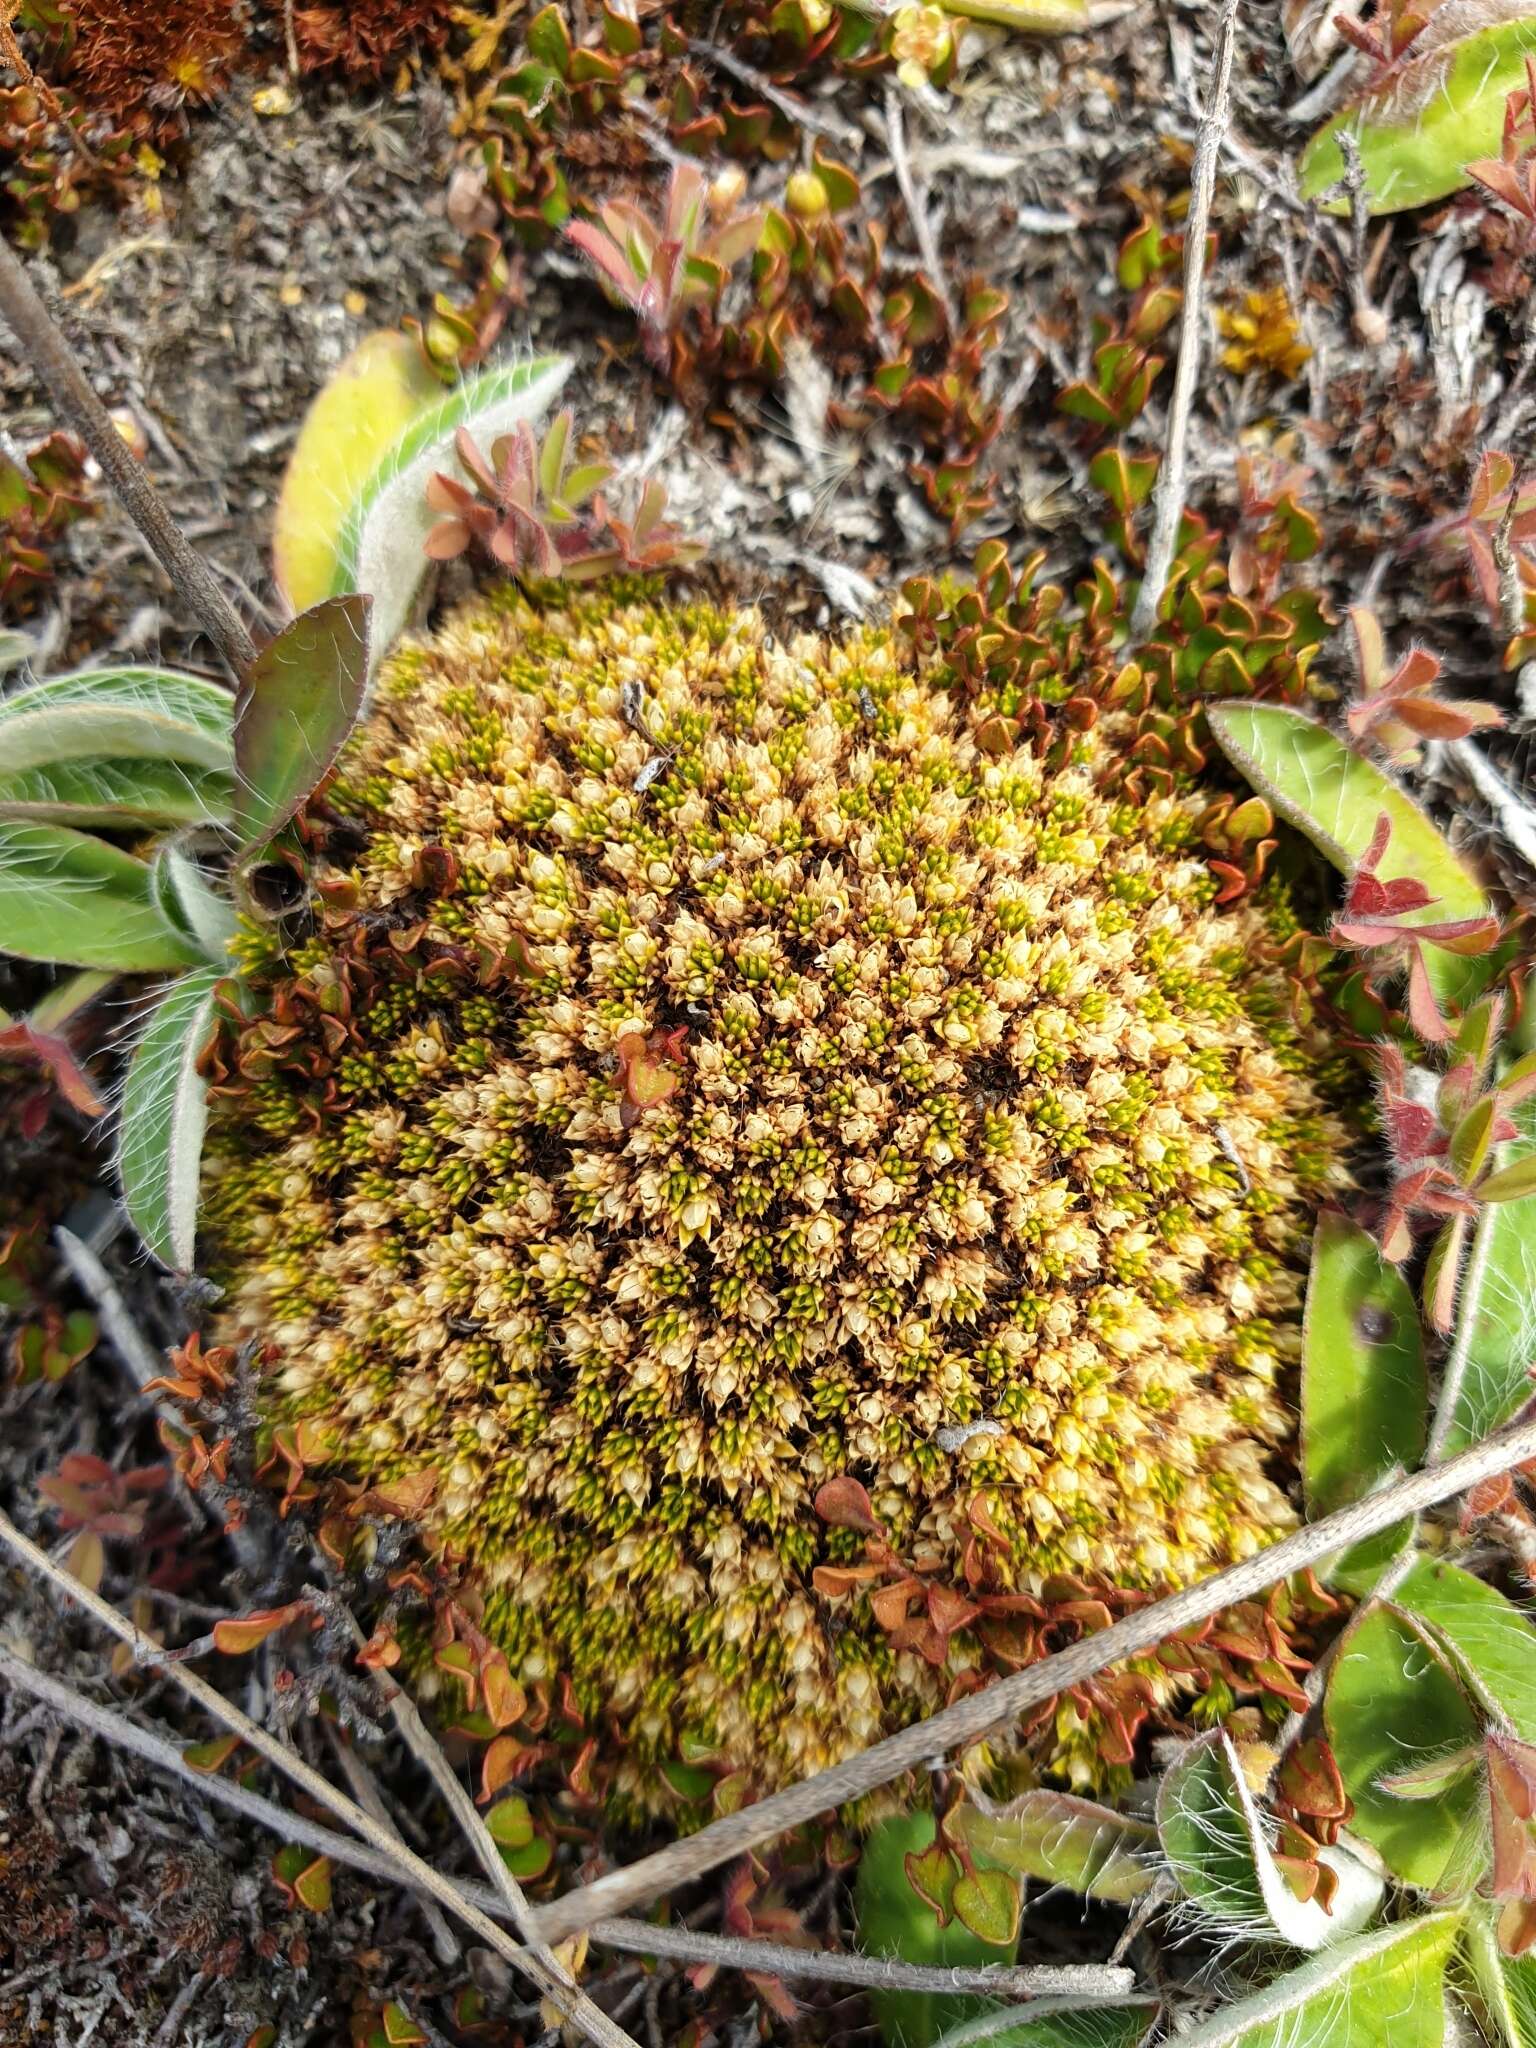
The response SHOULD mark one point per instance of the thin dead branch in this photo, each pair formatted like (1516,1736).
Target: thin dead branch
(916,204)
(1168,491)
(982,1713)
(636,1937)
(553,1979)
(54,361)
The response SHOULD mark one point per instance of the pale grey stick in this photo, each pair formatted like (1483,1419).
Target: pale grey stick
(981,1713)
(54,361)
(1168,491)
(777,1959)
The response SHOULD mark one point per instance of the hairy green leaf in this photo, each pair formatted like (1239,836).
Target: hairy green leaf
(1506,1985)
(1381,1990)
(1054,2023)
(192,904)
(109,793)
(1489,1639)
(1214,1841)
(297,705)
(1438,108)
(1065,1840)
(67,897)
(1335,797)
(1394,1703)
(1486,1376)
(164,1114)
(119,714)
(380,550)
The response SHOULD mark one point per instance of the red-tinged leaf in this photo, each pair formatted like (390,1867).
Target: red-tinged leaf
(773,1993)
(933,1874)
(504,1699)
(510,1824)
(1517,1927)
(404,1500)
(1309,1780)
(507,1757)
(845,1505)
(1424,1012)
(400,2030)
(294,711)
(1442,1274)
(210,1756)
(1514,1850)
(988,1903)
(239,1636)
(303,1877)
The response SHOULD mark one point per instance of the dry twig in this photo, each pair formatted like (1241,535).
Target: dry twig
(1168,492)
(553,1979)
(637,1937)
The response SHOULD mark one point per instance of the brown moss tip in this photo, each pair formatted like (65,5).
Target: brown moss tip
(724,1076)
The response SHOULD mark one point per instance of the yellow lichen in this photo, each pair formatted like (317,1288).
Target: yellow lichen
(1263,333)
(851,1086)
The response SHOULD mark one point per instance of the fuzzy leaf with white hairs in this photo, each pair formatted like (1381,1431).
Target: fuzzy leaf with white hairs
(1053,2023)
(1486,1378)
(380,548)
(163,1117)
(121,714)
(1060,1838)
(108,793)
(72,899)
(1214,1840)
(192,904)
(1381,1990)
(1506,1984)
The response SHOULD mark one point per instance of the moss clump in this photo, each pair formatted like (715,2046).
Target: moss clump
(716,1074)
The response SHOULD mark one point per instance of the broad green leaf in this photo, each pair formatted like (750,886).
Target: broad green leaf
(297,705)
(67,897)
(1490,1639)
(109,793)
(119,714)
(1365,1389)
(1437,109)
(1065,1840)
(164,1114)
(1054,2023)
(1214,1841)
(381,543)
(1381,1990)
(1393,1703)
(1506,1985)
(359,412)
(1335,797)
(1486,1376)
(895,1921)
